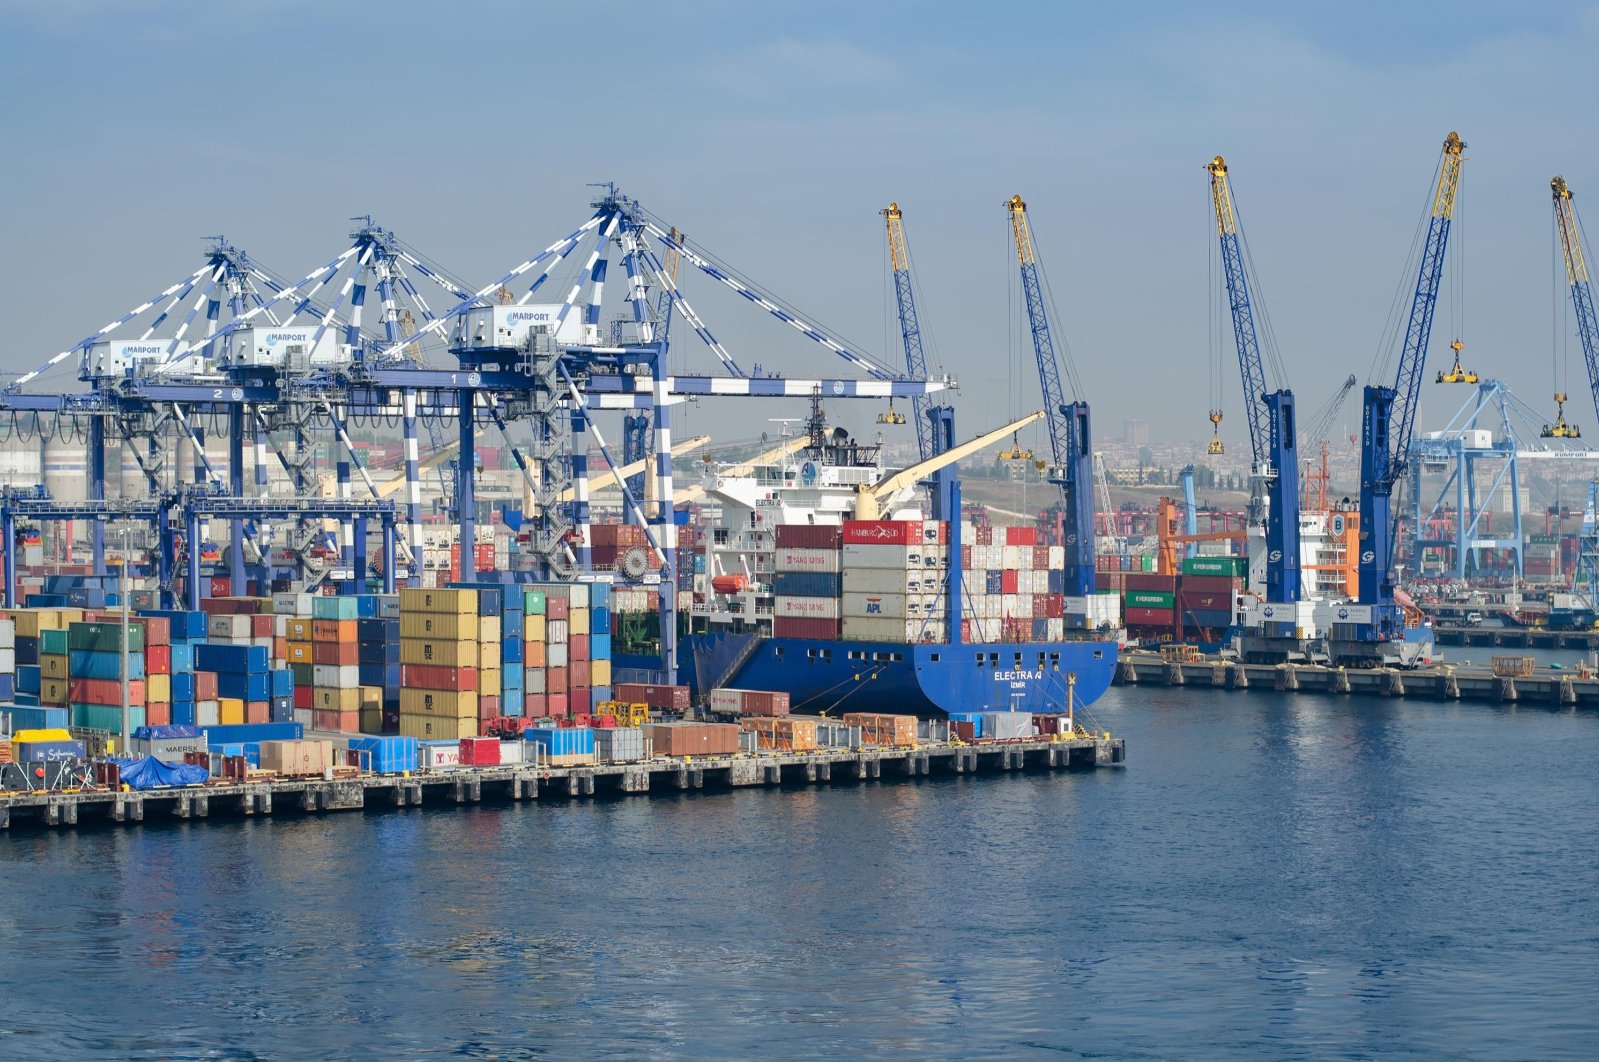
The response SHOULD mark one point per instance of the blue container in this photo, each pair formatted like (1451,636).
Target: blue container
(183,713)
(377,630)
(50,751)
(600,694)
(512,624)
(513,678)
(186,626)
(387,755)
(512,650)
(378,674)
(974,718)
(147,733)
(807,584)
(600,595)
(29,700)
(994,581)
(379,652)
(84,597)
(182,685)
(27,650)
(255,732)
(88,663)
(282,682)
(511,702)
(246,687)
(8,687)
(46,601)
(182,656)
(29,717)
(567,741)
(367,606)
(1057,581)
(235,658)
(599,647)
(1040,630)
(600,620)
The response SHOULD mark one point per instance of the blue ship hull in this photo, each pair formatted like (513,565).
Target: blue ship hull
(925,680)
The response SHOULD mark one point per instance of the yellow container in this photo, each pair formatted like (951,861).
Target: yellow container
(230,711)
(533,629)
(30,621)
(300,652)
(442,704)
(53,665)
(488,682)
(371,720)
(577,621)
(488,656)
(436,728)
(445,602)
(53,691)
(158,688)
(442,653)
(600,672)
(488,629)
(336,699)
(371,699)
(439,626)
(298,630)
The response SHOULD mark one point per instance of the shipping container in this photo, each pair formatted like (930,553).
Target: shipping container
(750,702)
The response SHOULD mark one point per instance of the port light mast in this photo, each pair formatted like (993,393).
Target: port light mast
(1070,443)
(1274,475)
(1388,413)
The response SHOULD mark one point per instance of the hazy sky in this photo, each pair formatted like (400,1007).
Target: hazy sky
(774,133)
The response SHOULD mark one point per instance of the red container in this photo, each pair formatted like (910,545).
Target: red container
(580,699)
(480,752)
(577,647)
(1112,581)
(157,630)
(883,532)
(556,607)
(536,705)
(1151,581)
(488,707)
(578,673)
(104,691)
(556,704)
(433,677)
(219,587)
(1203,601)
(1008,581)
(674,697)
(798,627)
(205,686)
(328,719)
(1148,617)
(261,626)
(809,536)
(1041,558)
(984,535)
(304,696)
(966,732)
(1054,605)
(1213,584)
(1021,536)
(556,680)
(158,713)
(341,654)
(157,659)
(261,712)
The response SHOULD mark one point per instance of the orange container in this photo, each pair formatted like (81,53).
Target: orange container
(339,653)
(533,654)
(333,631)
(299,653)
(786,734)
(104,691)
(880,729)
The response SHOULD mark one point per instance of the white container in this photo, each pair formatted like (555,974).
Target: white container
(332,676)
(555,632)
(806,607)
(291,604)
(826,561)
(8,661)
(877,556)
(555,655)
(228,626)
(891,581)
(444,754)
(511,751)
(879,629)
(8,634)
(205,713)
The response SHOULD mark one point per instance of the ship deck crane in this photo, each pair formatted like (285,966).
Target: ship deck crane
(1576,262)
(872,498)
(1317,480)
(1070,436)
(1388,414)
(1274,477)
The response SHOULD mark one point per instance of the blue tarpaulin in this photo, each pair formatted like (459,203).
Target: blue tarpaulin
(151,773)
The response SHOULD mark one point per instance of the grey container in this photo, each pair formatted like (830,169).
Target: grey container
(749,741)
(622,744)
(1002,725)
(831,734)
(933,731)
(167,750)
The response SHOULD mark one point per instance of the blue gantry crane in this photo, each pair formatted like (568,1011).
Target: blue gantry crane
(1071,466)
(910,330)
(1388,421)
(1273,442)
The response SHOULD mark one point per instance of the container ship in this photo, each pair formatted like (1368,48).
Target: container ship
(792,593)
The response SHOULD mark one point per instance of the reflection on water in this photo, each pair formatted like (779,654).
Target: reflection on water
(1270,877)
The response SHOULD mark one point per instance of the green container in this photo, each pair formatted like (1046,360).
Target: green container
(334,608)
(304,674)
(1228,566)
(1147,563)
(104,716)
(1150,598)
(104,637)
(533,602)
(53,642)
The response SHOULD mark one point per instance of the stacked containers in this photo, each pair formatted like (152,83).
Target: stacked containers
(807,581)
(242,682)
(1149,605)
(335,664)
(501,621)
(439,664)
(94,673)
(1015,587)
(8,664)
(893,576)
(378,668)
(187,686)
(566,649)
(611,542)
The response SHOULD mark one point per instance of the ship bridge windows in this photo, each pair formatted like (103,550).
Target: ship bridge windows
(934,657)
(1054,661)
